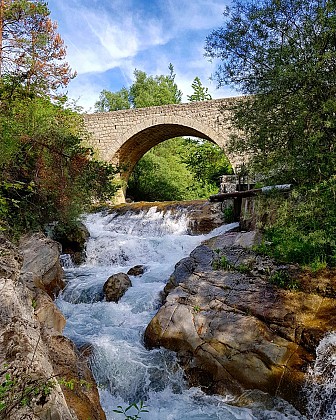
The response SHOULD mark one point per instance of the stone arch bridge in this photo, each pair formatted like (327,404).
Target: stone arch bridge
(123,137)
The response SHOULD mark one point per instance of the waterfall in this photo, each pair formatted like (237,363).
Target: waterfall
(321,381)
(124,369)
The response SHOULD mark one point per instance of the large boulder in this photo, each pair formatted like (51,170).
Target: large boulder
(232,329)
(33,352)
(73,240)
(41,259)
(116,286)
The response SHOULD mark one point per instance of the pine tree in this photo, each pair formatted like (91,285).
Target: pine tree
(200,92)
(31,50)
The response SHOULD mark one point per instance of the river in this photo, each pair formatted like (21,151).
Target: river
(124,369)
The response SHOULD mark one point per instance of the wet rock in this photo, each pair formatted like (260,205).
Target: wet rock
(116,286)
(91,294)
(73,240)
(72,365)
(203,216)
(183,269)
(137,270)
(41,257)
(234,328)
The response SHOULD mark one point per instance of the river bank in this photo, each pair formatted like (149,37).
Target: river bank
(236,331)
(232,330)
(43,375)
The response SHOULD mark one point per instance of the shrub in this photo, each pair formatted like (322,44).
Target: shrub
(302,228)
(46,172)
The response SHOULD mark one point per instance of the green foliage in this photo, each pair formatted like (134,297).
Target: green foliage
(221,263)
(113,101)
(284,280)
(288,125)
(228,214)
(19,392)
(73,383)
(283,55)
(205,160)
(196,308)
(153,91)
(317,265)
(163,174)
(46,173)
(243,268)
(200,92)
(145,91)
(139,408)
(304,229)
(159,178)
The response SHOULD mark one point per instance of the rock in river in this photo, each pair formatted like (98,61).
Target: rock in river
(137,270)
(232,328)
(116,286)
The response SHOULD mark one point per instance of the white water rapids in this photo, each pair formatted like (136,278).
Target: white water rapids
(124,369)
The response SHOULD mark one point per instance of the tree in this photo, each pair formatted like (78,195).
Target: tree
(144,91)
(206,161)
(200,92)
(113,101)
(284,54)
(46,173)
(160,176)
(31,51)
(153,91)
(178,169)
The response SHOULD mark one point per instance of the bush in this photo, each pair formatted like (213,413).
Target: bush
(46,173)
(178,169)
(302,230)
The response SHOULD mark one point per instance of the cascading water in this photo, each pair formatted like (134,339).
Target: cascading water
(321,381)
(125,371)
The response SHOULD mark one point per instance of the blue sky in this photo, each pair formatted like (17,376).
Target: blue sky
(107,39)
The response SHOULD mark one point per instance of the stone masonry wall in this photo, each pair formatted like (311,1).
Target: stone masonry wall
(124,136)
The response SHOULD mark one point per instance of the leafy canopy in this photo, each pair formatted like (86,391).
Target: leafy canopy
(144,91)
(113,101)
(282,53)
(31,51)
(46,173)
(154,91)
(200,92)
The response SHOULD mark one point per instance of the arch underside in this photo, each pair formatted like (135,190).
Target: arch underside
(140,143)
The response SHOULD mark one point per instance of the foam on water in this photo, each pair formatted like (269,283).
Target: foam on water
(321,381)
(125,370)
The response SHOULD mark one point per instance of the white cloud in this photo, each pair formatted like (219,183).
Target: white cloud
(102,35)
(99,39)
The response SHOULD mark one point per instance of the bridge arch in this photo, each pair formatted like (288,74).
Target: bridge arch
(139,140)
(124,136)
